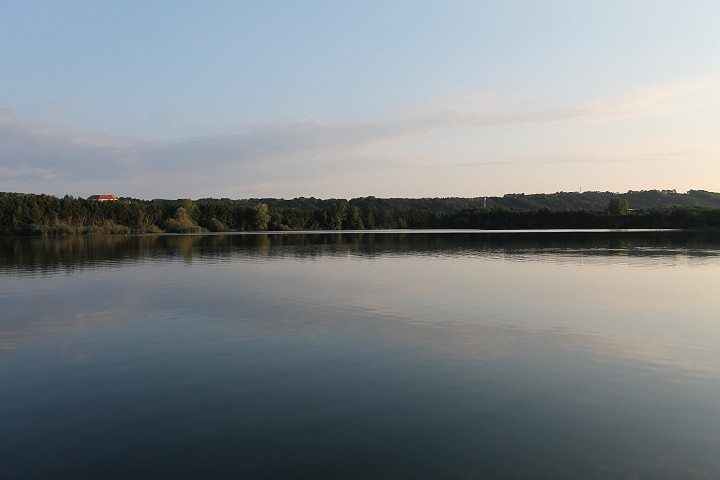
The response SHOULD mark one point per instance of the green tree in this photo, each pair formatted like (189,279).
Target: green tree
(617,206)
(353,220)
(191,208)
(262,216)
(338,213)
(182,223)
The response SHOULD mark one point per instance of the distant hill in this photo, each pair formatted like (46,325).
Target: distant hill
(644,199)
(30,214)
(560,201)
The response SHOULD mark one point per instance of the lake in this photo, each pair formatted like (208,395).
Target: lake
(396,355)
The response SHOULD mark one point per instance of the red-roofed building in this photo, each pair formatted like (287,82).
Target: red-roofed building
(102,198)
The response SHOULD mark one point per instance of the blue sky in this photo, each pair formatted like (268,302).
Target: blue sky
(344,99)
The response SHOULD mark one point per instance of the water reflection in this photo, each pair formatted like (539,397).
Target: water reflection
(356,356)
(62,255)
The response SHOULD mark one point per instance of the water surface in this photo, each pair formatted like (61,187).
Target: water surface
(361,356)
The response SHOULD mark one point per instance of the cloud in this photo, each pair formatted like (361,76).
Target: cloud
(631,152)
(662,100)
(281,154)
(321,139)
(63,104)
(26,172)
(275,142)
(53,153)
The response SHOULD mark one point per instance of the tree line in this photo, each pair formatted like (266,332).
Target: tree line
(31,214)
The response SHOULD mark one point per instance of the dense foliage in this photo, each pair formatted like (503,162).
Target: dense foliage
(30,214)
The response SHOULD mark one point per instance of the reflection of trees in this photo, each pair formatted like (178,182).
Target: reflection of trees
(48,255)
(618,246)
(186,245)
(263,245)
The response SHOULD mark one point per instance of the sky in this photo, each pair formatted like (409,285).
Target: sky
(344,99)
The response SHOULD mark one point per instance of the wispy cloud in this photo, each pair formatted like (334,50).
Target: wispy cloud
(299,151)
(628,153)
(63,104)
(662,100)
(60,153)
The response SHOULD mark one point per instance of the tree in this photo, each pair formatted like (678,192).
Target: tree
(182,223)
(262,216)
(338,213)
(353,220)
(191,208)
(617,206)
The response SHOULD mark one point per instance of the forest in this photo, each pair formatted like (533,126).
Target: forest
(40,214)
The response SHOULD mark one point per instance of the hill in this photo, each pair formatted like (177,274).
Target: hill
(30,214)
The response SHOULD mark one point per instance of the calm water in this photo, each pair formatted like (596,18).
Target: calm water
(373,356)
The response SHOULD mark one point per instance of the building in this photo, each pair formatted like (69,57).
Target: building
(102,198)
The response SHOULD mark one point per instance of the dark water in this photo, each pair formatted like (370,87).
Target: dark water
(374,356)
